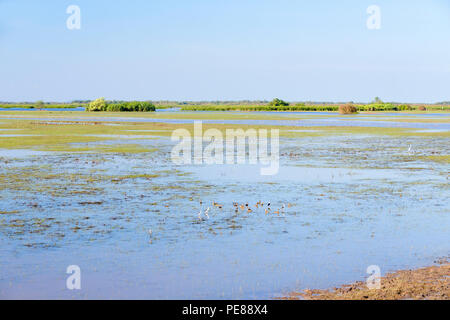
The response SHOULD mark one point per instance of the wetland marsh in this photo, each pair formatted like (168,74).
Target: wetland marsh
(100,191)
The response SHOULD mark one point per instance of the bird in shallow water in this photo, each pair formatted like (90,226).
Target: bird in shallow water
(215,204)
(201,211)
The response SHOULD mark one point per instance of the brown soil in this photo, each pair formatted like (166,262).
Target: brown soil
(431,283)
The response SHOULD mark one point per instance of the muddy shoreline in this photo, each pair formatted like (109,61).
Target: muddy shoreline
(428,283)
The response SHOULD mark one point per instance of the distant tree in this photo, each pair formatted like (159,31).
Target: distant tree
(39,104)
(278,102)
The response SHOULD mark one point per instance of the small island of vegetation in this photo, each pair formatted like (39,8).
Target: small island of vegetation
(132,106)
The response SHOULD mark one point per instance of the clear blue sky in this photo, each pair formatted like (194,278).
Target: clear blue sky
(225,50)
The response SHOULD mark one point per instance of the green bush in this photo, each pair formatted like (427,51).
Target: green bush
(381,107)
(39,104)
(133,106)
(97,105)
(278,103)
(405,107)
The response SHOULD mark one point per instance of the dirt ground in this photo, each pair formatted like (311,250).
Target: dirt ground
(430,283)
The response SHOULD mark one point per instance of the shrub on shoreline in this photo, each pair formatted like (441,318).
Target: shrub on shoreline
(97,105)
(347,109)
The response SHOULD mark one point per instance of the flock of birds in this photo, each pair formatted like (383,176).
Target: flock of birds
(242,207)
(204,215)
(247,208)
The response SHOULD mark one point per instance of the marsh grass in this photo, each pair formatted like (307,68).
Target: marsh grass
(382,107)
(100,105)
(437,158)
(77,136)
(134,176)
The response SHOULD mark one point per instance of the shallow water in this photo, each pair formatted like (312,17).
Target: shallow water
(340,122)
(338,205)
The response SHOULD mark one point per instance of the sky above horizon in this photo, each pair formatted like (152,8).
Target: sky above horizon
(225,50)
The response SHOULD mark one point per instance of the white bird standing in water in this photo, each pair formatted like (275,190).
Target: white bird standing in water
(410,149)
(201,211)
(206,213)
